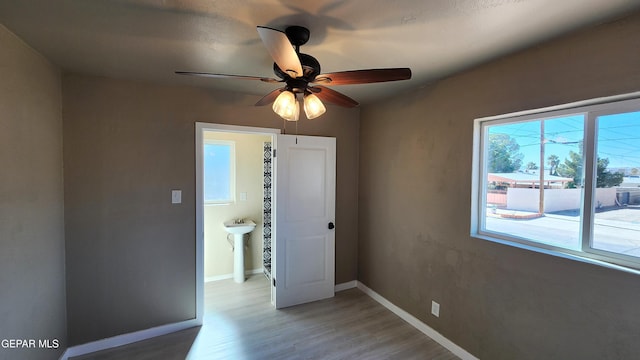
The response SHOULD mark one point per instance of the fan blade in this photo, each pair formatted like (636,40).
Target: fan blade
(224,76)
(364,76)
(281,50)
(332,96)
(270,97)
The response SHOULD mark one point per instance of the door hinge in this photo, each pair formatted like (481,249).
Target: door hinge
(274,152)
(274,282)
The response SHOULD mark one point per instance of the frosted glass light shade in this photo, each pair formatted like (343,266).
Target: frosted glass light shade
(296,112)
(313,107)
(286,106)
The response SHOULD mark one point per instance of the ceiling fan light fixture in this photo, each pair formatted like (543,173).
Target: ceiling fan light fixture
(302,75)
(313,107)
(287,106)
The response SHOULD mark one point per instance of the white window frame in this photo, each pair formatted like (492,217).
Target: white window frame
(592,109)
(232,171)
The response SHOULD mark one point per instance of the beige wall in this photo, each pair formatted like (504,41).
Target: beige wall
(32,283)
(497,302)
(130,252)
(218,254)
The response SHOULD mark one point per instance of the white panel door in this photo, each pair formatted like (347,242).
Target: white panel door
(305,211)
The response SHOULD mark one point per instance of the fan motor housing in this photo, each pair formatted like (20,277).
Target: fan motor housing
(310,68)
(298,35)
(297,86)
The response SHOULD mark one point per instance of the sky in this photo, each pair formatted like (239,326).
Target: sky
(618,138)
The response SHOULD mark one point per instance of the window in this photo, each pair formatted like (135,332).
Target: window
(563,180)
(219,172)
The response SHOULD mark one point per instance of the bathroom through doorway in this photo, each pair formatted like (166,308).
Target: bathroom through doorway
(235,178)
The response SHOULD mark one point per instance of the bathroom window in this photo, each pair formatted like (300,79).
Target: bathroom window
(562,181)
(219,172)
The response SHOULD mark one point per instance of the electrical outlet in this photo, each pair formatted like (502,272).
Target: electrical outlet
(435,309)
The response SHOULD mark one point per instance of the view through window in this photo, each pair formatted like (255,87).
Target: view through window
(541,185)
(617,226)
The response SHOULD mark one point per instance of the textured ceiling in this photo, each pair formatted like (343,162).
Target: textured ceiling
(150,39)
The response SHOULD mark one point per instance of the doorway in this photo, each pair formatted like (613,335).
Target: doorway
(235,189)
(242,197)
(303,235)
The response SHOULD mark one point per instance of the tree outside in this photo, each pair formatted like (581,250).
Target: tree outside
(553,161)
(504,155)
(572,167)
(605,178)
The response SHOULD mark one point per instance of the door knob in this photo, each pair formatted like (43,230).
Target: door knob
(331,226)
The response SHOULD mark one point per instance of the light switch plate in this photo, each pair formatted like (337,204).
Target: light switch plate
(176,196)
(243,196)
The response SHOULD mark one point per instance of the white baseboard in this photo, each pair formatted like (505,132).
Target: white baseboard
(346,286)
(128,338)
(169,328)
(416,323)
(230,276)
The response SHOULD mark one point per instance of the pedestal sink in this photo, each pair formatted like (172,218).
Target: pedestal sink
(238,228)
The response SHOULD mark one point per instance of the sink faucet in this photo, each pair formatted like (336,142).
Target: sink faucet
(238,221)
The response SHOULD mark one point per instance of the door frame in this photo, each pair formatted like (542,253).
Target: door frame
(201,127)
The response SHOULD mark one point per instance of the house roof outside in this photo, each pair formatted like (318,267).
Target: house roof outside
(526,178)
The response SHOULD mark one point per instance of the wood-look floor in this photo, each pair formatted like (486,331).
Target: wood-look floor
(240,323)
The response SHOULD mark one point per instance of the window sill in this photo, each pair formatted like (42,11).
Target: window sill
(218,204)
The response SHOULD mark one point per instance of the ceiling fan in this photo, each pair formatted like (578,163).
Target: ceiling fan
(301,75)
